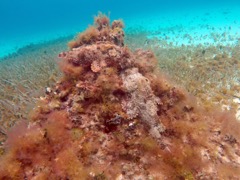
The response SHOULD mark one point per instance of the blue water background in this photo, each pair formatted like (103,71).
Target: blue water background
(29,21)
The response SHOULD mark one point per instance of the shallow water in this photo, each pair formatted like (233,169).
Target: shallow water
(26,22)
(120,99)
(186,36)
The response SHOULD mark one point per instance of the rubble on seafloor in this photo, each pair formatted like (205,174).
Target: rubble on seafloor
(114,115)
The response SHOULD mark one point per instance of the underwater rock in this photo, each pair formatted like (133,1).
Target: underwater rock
(113,115)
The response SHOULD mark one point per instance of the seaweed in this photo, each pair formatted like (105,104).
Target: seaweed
(114,114)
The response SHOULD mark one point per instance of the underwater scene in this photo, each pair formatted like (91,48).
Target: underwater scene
(120,90)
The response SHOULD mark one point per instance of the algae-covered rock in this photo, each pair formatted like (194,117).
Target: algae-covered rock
(113,115)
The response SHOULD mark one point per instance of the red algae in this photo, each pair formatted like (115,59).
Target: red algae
(114,115)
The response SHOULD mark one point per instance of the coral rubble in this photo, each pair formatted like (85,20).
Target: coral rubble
(113,115)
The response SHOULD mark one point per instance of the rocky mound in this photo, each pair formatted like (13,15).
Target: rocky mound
(113,115)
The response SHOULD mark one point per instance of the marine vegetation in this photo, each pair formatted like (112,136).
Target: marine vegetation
(114,115)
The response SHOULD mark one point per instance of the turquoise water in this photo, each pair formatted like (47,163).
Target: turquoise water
(27,21)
